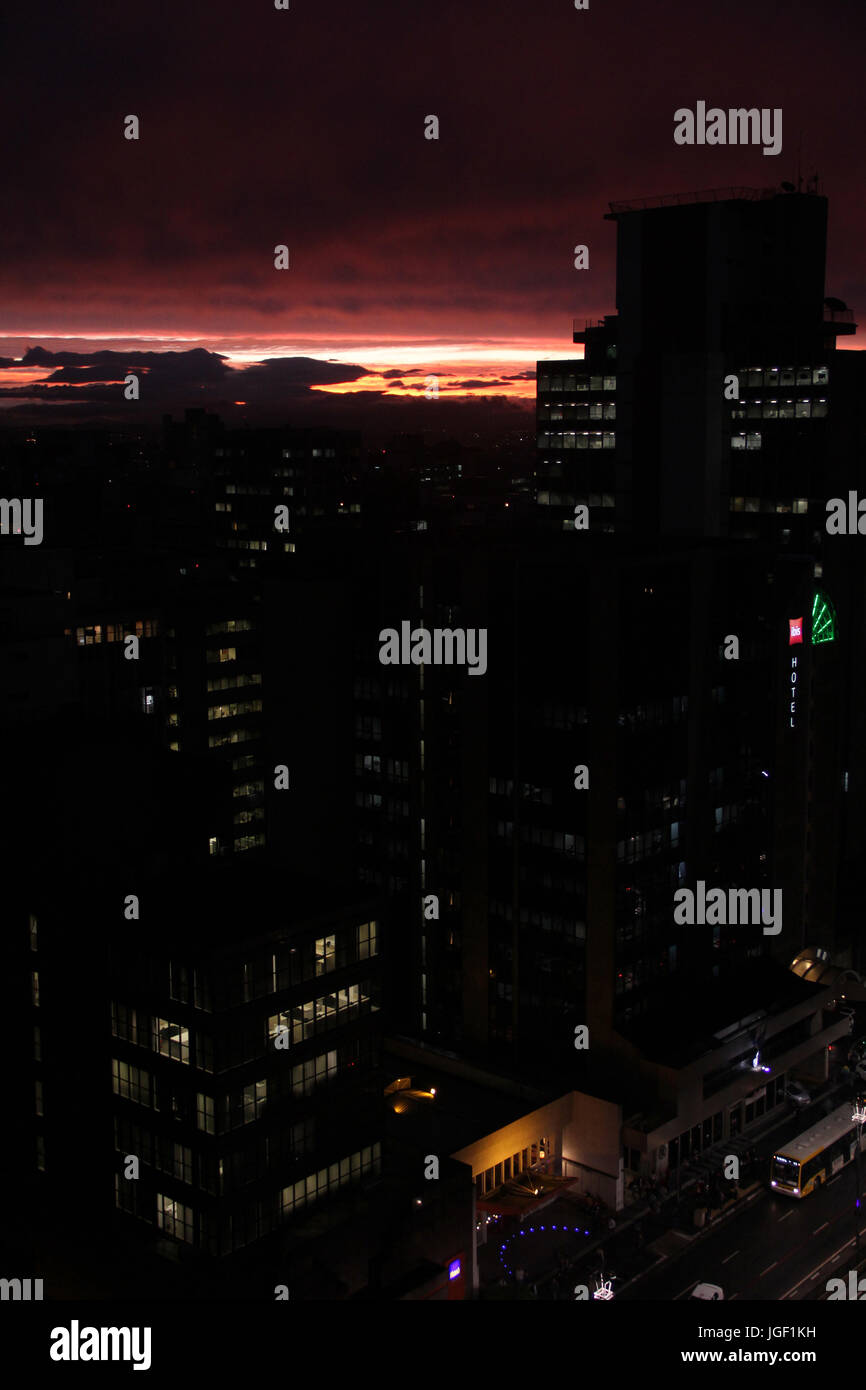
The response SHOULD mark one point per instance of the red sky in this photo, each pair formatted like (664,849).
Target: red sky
(306,127)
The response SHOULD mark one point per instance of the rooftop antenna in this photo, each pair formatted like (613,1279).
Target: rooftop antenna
(799,164)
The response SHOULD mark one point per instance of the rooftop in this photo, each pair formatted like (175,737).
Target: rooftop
(689,1027)
(704,195)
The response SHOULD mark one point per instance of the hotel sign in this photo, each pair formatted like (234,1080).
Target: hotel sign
(795,638)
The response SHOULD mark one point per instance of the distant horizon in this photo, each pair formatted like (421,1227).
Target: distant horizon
(341,223)
(255,379)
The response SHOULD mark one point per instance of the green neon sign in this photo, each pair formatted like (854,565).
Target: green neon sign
(823,620)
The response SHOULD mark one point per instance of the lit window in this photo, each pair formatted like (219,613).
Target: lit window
(326,954)
(232,709)
(174,1218)
(245,842)
(132,1083)
(34,987)
(232,736)
(247,1105)
(317,1071)
(367,940)
(171,1039)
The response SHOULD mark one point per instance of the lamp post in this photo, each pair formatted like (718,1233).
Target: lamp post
(858,1115)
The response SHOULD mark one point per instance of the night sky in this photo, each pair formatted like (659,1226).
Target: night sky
(408,256)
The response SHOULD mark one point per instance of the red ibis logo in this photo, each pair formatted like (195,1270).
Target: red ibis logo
(796,631)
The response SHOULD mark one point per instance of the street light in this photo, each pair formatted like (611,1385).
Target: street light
(858,1115)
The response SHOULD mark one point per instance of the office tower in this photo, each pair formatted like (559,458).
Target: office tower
(736,416)
(710,287)
(244,1029)
(648,654)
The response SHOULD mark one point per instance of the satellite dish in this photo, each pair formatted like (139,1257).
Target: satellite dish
(835,304)
(789,187)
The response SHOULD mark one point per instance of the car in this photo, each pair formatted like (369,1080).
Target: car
(709,1292)
(797,1094)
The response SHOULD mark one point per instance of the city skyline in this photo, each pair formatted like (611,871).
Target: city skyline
(408,256)
(432,636)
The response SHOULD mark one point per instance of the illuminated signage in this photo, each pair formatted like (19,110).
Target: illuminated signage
(823,620)
(453,1270)
(795,638)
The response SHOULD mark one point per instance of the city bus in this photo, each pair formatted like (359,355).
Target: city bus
(810,1160)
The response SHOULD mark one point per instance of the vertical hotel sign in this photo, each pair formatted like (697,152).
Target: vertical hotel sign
(795,638)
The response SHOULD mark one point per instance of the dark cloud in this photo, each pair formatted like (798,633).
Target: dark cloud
(298,372)
(163,371)
(84,381)
(306,127)
(194,364)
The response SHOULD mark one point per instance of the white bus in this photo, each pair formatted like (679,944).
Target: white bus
(810,1160)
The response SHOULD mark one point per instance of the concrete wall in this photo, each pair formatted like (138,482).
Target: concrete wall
(580,1128)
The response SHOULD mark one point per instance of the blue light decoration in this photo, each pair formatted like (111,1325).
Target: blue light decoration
(454,1269)
(527,1231)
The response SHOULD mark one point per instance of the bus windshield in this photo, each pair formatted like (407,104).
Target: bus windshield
(785,1170)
